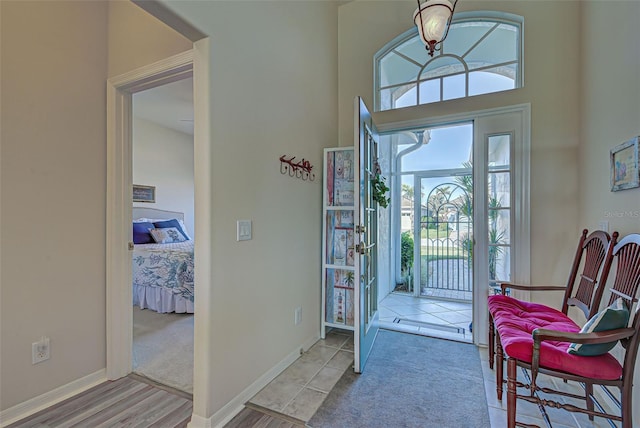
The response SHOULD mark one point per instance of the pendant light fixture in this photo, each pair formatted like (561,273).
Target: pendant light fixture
(433,17)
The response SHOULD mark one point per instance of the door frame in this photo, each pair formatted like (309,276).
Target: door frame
(120,90)
(521,188)
(417,219)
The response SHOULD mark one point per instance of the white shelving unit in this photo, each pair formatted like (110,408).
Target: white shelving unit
(338,273)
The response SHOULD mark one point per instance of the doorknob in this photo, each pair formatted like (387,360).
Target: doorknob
(361,248)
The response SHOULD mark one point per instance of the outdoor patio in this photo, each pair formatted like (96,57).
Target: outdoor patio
(429,316)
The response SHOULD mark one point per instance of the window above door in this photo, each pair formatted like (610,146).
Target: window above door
(481,54)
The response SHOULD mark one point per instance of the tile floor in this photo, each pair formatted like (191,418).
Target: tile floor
(448,319)
(300,390)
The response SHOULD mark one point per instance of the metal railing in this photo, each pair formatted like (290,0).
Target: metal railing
(446,260)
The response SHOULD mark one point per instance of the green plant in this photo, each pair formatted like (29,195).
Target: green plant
(379,190)
(406,252)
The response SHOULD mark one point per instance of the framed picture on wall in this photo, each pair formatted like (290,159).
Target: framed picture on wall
(144,193)
(624,165)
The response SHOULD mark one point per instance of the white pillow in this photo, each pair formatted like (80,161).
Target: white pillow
(167,235)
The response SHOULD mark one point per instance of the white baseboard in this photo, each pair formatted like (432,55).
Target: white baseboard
(29,407)
(235,406)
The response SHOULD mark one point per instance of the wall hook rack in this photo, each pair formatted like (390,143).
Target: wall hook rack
(301,169)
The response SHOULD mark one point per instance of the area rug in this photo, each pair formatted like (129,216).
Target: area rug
(163,348)
(409,381)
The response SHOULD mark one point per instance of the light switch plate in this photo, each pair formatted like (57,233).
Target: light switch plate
(243,230)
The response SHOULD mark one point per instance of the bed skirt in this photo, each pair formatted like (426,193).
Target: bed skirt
(161,300)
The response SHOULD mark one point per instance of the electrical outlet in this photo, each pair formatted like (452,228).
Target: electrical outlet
(40,351)
(297,318)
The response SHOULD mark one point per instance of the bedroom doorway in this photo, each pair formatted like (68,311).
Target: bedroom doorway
(163,223)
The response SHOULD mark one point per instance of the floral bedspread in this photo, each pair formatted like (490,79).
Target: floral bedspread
(169,266)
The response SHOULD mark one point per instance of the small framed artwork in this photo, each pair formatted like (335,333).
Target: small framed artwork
(624,166)
(144,193)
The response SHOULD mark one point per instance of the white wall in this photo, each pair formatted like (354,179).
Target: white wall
(610,114)
(551,85)
(163,158)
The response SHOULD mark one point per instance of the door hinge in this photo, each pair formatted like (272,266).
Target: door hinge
(130,246)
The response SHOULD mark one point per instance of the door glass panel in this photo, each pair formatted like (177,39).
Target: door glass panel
(499,151)
(499,208)
(499,189)
(499,226)
(500,256)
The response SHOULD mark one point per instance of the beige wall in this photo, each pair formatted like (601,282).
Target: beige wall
(610,110)
(54,67)
(55,62)
(610,114)
(270,96)
(551,76)
(137,38)
(273,92)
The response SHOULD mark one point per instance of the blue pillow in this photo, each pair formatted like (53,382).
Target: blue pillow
(170,223)
(611,318)
(141,234)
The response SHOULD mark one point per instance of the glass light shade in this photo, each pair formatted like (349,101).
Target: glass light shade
(431,18)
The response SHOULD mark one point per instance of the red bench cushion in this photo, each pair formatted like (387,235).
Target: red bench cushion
(515,321)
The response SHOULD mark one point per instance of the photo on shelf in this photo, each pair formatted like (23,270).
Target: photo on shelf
(346,218)
(350,248)
(339,306)
(348,307)
(344,193)
(340,246)
(329,178)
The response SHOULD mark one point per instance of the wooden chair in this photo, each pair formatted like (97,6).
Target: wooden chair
(547,353)
(578,292)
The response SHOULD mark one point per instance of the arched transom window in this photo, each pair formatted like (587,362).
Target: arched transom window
(481,54)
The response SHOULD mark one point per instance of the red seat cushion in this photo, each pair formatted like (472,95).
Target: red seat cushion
(515,321)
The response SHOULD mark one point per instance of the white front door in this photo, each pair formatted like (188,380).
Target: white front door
(366,237)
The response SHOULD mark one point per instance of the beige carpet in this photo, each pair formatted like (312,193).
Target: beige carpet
(163,348)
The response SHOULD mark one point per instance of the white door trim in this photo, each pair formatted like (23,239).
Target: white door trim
(119,201)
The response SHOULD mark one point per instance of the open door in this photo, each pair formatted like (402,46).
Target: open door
(366,236)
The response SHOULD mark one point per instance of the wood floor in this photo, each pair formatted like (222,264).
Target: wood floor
(128,402)
(134,401)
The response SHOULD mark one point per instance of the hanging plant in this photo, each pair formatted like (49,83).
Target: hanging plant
(379,187)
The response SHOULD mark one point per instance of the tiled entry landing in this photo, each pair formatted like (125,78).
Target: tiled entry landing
(299,390)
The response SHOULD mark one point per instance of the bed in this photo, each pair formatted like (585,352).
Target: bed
(162,272)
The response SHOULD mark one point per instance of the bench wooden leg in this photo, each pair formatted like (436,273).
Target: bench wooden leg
(492,335)
(511,393)
(588,389)
(499,367)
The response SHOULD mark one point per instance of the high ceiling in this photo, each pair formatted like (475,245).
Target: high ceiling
(170,105)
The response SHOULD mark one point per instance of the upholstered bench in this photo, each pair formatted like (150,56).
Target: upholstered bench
(541,340)
(581,291)
(515,322)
